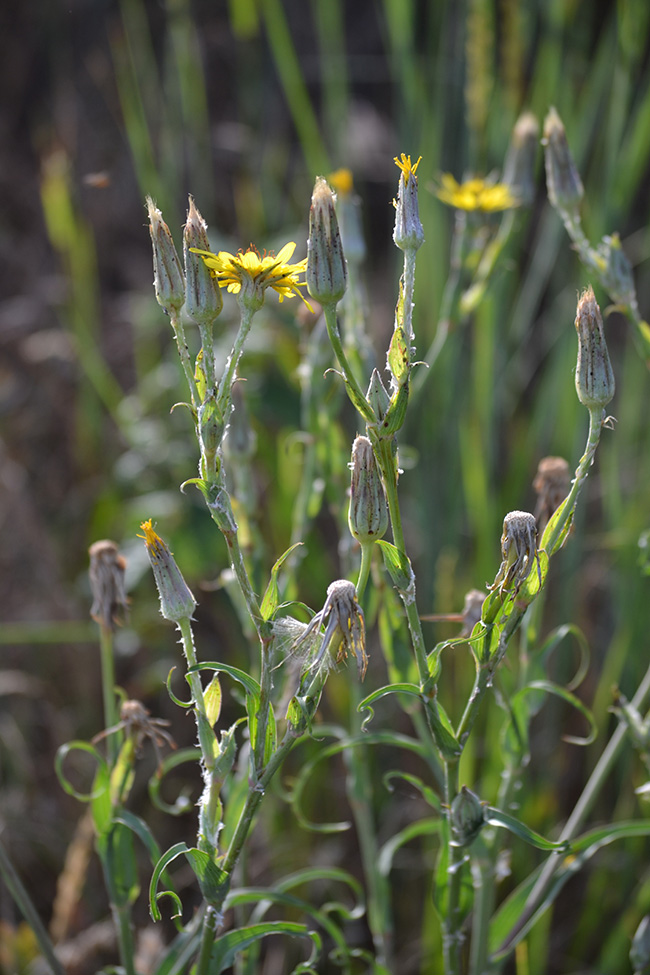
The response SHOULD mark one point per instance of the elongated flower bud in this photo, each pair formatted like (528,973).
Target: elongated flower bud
(203,299)
(519,167)
(563,183)
(168,279)
(368,515)
(326,270)
(595,384)
(176,600)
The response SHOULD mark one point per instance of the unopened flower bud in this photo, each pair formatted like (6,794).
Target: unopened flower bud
(408,232)
(176,600)
(467,817)
(326,270)
(519,166)
(378,396)
(168,279)
(594,376)
(563,181)
(106,574)
(203,298)
(368,514)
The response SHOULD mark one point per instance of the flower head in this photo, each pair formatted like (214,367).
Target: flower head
(176,600)
(408,168)
(475,194)
(408,233)
(341,181)
(368,513)
(249,273)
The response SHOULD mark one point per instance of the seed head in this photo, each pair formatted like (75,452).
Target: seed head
(595,384)
(326,269)
(345,629)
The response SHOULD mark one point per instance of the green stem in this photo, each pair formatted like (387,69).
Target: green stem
(408,278)
(22,899)
(204,730)
(223,394)
(575,821)
(208,933)
(367,549)
(359,792)
(452,937)
(355,392)
(122,919)
(108,691)
(184,355)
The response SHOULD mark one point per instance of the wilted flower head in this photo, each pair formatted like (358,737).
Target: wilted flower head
(475,194)
(326,270)
(176,600)
(368,514)
(168,279)
(552,483)
(595,384)
(345,629)
(249,274)
(563,183)
(408,233)
(519,551)
(106,574)
(472,607)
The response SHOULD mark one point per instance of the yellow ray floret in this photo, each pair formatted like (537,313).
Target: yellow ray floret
(404,163)
(475,194)
(264,271)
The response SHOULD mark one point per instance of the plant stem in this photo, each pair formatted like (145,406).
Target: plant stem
(223,394)
(452,938)
(27,909)
(108,690)
(184,355)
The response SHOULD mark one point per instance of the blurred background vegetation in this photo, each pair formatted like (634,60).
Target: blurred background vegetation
(242,104)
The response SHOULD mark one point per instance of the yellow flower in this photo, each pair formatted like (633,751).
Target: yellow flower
(475,194)
(252,272)
(341,181)
(405,165)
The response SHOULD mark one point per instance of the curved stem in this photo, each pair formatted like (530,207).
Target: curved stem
(184,354)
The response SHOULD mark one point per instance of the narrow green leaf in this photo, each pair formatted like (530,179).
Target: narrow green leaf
(423,827)
(171,854)
(229,945)
(496,817)
(183,803)
(271,596)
